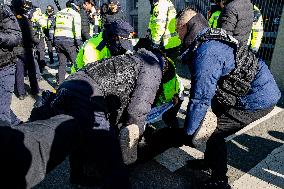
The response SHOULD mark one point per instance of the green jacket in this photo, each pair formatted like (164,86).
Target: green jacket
(214,19)
(89,53)
(170,84)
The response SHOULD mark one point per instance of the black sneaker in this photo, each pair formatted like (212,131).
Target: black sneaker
(197,164)
(215,184)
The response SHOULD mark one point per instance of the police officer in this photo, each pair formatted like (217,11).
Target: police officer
(85,21)
(97,48)
(214,12)
(162,26)
(48,31)
(257,30)
(67,36)
(109,11)
(92,50)
(216,61)
(10,37)
(25,58)
(38,22)
(94,16)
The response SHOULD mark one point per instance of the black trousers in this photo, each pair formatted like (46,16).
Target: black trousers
(98,161)
(66,52)
(50,50)
(40,54)
(29,151)
(26,60)
(229,121)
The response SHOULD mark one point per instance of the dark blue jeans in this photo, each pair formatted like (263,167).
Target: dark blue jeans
(7,81)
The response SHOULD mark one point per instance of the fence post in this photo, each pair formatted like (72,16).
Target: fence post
(277,63)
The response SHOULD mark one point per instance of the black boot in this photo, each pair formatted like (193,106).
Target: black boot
(215,184)
(197,164)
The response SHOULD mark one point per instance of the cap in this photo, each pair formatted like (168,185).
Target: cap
(119,30)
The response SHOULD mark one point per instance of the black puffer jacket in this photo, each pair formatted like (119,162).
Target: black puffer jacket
(236,18)
(10,35)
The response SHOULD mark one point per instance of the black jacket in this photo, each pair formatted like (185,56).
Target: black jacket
(10,35)
(237,18)
(85,25)
(28,34)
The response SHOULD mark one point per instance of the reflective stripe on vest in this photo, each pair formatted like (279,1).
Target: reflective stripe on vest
(89,53)
(68,24)
(214,19)
(163,29)
(170,88)
(257,30)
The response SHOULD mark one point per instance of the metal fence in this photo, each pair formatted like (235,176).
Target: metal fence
(271,11)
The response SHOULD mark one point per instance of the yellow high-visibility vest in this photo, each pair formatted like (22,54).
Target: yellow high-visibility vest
(89,53)
(68,24)
(257,30)
(163,25)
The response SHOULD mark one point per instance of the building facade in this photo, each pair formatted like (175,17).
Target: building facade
(137,13)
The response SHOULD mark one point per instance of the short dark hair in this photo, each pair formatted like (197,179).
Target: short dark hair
(68,4)
(92,2)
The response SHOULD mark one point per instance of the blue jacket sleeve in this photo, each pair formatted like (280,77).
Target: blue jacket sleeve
(206,70)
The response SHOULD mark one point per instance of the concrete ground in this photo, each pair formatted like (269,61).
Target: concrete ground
(255,153)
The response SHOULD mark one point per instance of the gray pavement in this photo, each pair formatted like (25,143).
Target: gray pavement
(255,154)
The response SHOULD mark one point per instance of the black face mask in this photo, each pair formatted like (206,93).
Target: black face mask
(115,48)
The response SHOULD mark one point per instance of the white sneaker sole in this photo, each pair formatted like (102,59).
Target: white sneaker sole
(128,138)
